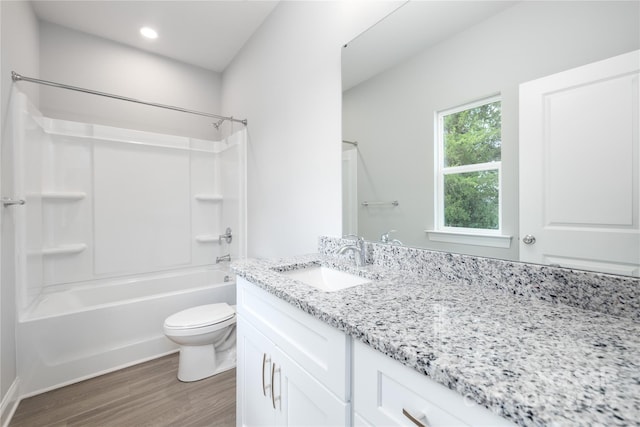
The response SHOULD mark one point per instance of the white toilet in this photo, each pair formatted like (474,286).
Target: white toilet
(207,337)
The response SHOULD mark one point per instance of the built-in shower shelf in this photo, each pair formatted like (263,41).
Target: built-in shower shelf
(69,196)
(70,249)
(208,238)
(209,197)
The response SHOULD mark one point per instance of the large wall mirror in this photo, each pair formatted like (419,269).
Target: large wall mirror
(428,59)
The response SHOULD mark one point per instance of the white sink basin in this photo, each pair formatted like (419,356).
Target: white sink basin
(326,279)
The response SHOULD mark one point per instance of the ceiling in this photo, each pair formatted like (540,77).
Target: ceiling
(413,27)
(204,33)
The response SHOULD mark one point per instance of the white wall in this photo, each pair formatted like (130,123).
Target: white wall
(19,52)
(82,60)
(395,110)
(286,82)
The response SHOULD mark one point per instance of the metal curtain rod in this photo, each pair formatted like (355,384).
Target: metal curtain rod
(350,142)
(17,77)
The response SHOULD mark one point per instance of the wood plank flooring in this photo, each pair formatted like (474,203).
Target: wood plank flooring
(148,394)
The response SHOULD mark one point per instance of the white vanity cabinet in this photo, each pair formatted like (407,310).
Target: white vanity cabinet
(292,369)
(387,393)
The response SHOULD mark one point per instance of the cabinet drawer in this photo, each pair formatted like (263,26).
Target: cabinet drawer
(320,349)
(384,389)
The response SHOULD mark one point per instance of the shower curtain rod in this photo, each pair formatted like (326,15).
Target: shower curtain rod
(17,77)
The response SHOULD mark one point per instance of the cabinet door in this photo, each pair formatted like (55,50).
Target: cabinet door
(303,401)
(254,407)
(317,347)
(359,421)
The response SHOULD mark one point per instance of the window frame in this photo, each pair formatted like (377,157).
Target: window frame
(441,171)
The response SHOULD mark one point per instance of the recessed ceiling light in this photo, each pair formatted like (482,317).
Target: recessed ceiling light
(149,33)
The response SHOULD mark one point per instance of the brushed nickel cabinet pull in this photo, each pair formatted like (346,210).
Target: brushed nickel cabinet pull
(419,420)
(265,360)
(273,388)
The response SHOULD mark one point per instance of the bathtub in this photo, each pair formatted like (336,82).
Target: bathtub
(88,329)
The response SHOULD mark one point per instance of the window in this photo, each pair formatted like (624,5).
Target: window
(468,170)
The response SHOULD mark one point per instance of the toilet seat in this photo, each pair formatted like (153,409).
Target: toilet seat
(200,319)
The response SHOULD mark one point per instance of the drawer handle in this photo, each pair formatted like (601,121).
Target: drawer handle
(265,360)
(419,419)
(273,388)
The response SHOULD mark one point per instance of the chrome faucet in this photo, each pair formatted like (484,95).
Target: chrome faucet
(384,238)
(226,257)
(227,236)
(358,248)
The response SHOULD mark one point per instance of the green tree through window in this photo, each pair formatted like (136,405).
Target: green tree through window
(470,140)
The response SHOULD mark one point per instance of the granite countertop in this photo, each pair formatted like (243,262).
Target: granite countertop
(536,363)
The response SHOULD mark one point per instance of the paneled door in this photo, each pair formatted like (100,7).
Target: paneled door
(254,392)
(579,167)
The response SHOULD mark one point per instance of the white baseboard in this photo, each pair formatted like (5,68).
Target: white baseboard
(9,403)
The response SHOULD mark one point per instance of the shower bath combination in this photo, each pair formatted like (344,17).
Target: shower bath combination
(117,223)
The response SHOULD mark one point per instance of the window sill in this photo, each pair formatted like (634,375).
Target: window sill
(461,238)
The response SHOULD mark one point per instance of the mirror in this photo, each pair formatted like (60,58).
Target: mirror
(427,57)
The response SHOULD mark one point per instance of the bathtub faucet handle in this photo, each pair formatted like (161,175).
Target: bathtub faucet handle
(227,236)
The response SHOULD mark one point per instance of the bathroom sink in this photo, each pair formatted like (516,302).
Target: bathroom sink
(326,279)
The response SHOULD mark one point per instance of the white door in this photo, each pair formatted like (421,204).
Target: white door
(579,167)
(254,399)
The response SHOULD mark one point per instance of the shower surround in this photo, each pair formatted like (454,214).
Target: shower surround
(109,210)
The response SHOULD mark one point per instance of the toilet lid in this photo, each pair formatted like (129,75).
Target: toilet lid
(199,316)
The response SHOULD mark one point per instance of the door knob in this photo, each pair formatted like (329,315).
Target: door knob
(528,239)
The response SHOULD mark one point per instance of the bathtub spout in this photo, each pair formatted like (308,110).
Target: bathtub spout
(226,257)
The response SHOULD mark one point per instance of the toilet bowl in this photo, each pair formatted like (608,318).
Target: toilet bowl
(206,335)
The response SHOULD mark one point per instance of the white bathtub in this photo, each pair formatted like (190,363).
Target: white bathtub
(92,328)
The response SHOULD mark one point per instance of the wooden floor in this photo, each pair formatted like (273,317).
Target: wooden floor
(148,394)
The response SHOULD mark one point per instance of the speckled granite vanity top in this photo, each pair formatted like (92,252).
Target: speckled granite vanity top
(538,363)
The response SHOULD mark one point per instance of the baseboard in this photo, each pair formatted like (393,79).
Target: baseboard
(9,403)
